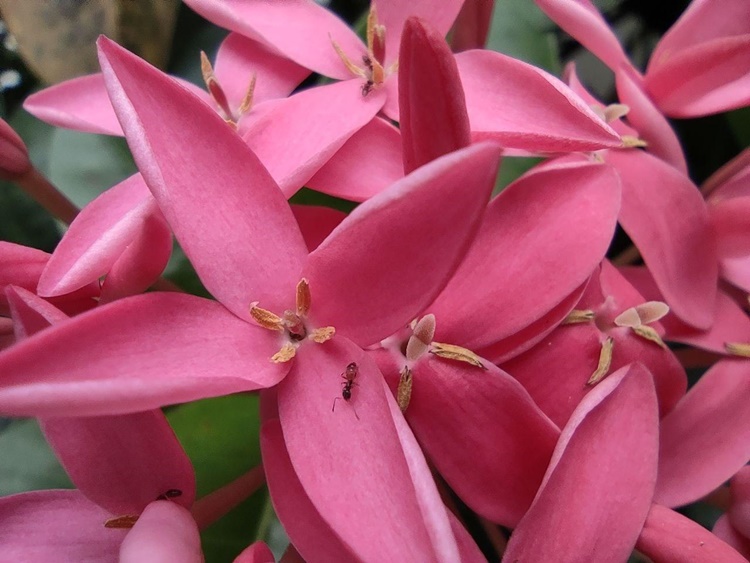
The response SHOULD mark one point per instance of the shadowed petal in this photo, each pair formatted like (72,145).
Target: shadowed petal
(434,121)
(369,162)
(415,233)
(484,434)
(309,533)
(61,526)
(165,531)
(257,552)
(706,438)
(351,461)
(665,215)
(724,530)
(646,118)
(133,355)
(224,208)
(316,222)
(593,499)
(298,135)
(670,537)
(560,219)
(501,93)
(300,30)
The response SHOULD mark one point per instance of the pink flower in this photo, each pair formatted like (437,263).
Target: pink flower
(14,157)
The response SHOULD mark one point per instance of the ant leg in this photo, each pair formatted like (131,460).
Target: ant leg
(333,408)
(355,412)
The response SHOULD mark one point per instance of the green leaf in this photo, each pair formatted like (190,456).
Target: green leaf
(27,462)
(83,165)
(512,168)
(521,30)
(221,437)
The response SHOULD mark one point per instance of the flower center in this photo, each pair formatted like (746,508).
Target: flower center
(219,97)
(292,324)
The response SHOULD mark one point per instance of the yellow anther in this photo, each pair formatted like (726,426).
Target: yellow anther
(303,297)
(738,349)
(126,521)
(650,334)
(605,361)
(287,352)
(403,395)
(354,69)
(457,353)
(247,101)
(630,142)
(265,318)
(579,316)
(323,334)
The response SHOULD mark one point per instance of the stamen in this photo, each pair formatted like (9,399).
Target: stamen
(126,521)
(322,334)
(630,142)
(419,342)
(247,101)
(579,316)
(458,353)
(354,69)
(375,36)
(614,112)
(303,297)
(214,88)
(650,334)
(403,395)
(287,352)
(265,318)
(741,349)
(605,361)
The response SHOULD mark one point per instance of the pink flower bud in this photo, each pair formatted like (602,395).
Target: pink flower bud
(14,158)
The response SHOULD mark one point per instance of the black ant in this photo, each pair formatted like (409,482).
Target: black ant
(349,376)
(170,494)
(370,84)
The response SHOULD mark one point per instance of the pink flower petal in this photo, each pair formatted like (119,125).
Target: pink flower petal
(416,232)
(60,526)
(299,134)
(560,219)
(165,531)
(186,163)
(484,434)
(670,537)
(706,438)
(257,552)
(122,462)
(81,104)
(316,222)
(136,354)
(97,237)
(731,180)
(646,118)
(14,156)
(143,261)
(501,93)
(309,533)
(665,215)
(581,20)
(724,530)
(739,509)
(30,312)
(239,58)
(351,460)
(434,121)
(472,25)
(300,30)
(392,14)
(594,499)
(708,78)
(22,266)
(369,162)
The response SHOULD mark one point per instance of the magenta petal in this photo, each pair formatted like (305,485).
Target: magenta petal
(416,232)
(665,215)
(560,219)
(233,240)
(308,532)
(434,121)
(165,531)
(298,29)
(30,313)
(581,20)
(483,433)
(351,462)
(501,93)
(299,134)
(646,118)
(708,78)
(136,354)
(122,463)
(594,499)
(706,438)
(316,222)
(739,510)
(257,552)
(724,530)
(97,237)
(60,526)
(14,156)
(81,104)
(670,537)
(369,162)
(239,58)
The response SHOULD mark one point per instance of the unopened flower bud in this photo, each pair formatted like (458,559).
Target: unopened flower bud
(14,157)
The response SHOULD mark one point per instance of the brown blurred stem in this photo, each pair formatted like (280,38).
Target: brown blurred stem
(48,196)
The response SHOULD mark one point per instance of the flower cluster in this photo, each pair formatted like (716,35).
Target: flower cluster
(435,345)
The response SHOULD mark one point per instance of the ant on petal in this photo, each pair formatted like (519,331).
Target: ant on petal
(349,375)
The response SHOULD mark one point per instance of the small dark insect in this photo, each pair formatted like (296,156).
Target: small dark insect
(171,493)
(367,62)
(349,375)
